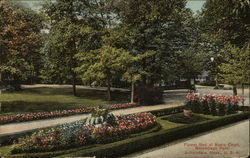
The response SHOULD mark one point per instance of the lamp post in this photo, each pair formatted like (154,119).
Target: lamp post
(216,72)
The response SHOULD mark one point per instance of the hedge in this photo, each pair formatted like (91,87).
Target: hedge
(147,141)
(60,152)
(167,111)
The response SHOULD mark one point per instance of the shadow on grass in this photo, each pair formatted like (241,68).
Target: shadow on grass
(23,106)
(51,99)
(81,93)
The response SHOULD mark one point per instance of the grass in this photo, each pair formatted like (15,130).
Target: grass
(49,99)
(167,124)
(180,118)
(4,150)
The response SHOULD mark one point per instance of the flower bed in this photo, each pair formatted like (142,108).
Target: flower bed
(44,115)
(77,134)
(213,104)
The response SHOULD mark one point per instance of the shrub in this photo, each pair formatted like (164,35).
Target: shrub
(148,95)
(167,111)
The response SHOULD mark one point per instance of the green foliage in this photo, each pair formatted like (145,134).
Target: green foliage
(102,64)
(227,20)
(236,68)
(74,26)
(153,26)
(19,43)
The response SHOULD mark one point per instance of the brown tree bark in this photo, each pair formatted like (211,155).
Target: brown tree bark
(108,89)
(74,84)
(234,90)
(132,92)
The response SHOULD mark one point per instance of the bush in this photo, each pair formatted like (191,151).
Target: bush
(148,95)
(167,111)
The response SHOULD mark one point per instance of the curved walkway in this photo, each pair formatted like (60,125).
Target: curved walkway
(228,142)
(25,126)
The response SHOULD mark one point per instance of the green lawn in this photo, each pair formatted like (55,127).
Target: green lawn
(49,99)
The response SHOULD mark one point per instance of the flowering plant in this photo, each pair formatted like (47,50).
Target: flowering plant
(58,113)
(193,101)
(213,104)
(77,134)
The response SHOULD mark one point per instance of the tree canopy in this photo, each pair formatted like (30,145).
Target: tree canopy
(19,42)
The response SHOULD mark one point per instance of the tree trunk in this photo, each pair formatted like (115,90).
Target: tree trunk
(216,81)
(1,85)
(189,84)
(132,92)
(74,83)
(234,90)
(243,88)
(1,80)
(108,89)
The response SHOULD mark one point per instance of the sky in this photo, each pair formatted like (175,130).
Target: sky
(194,5)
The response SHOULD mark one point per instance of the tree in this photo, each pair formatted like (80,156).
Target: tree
(73,28)
(152,26)
(19,42)
(131,74)
(227,20)
(102,64)
(191,63)
(236,68)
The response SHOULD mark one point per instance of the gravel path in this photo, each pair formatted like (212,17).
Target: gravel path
(229,142)
(25,126)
